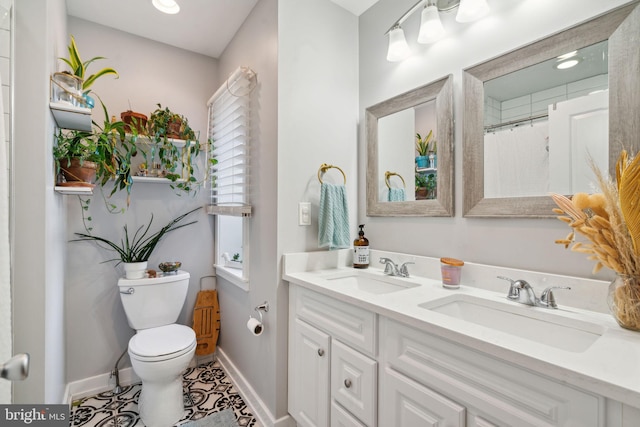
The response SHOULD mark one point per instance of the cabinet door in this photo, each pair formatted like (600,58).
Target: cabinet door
(309,355)
(340,417)
(353,382)
(405,403)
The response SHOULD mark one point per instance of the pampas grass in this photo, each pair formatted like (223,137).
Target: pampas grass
(610,221)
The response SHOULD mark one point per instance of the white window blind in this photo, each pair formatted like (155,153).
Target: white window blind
(230,133)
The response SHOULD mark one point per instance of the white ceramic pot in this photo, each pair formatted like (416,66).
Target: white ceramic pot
(135,270)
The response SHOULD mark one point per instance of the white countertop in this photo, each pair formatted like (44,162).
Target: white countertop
(609,367)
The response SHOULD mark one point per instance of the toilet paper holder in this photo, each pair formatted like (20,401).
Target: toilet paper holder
(262,307)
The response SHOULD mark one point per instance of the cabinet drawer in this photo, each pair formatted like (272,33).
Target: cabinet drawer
(340,417)
(406,403)
(354,382)
(511,394)
(346,322)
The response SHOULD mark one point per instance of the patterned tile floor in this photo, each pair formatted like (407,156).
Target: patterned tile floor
(207,387)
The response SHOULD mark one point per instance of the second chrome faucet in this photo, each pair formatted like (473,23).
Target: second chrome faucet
(392,269)
(522,292)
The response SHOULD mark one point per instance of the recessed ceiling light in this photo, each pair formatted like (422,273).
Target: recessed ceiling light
(568,63)
(568,55)
(166,6)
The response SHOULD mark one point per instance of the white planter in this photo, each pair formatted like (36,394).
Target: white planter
(135,270)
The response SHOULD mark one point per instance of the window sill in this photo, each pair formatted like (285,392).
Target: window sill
(233,275)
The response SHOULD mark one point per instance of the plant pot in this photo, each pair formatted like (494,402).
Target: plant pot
(422,161)
(134,270)
(76,170)
(624,301)
(138,120)
(174,129)
(421,193)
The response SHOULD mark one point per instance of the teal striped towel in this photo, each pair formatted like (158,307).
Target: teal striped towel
(396,195)
(333,218)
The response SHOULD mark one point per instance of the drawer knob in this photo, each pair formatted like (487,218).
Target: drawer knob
(347,383)
(320,352)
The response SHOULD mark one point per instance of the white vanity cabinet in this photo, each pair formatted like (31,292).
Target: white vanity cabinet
(332,370)
(436,381)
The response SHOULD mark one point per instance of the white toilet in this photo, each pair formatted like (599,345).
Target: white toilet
(161,349)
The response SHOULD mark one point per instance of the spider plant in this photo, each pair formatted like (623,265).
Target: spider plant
(137,248)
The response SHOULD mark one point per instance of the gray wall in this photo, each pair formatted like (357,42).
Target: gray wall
(255,46)
(306,116)
(519,243)
(150,73)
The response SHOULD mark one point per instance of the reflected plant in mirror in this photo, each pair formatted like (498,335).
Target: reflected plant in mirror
(536,117)
(401,140)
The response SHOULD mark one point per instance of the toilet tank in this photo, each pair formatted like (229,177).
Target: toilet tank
(152,302)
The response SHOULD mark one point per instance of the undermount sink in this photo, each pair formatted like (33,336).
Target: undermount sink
(370,282)
(520,320)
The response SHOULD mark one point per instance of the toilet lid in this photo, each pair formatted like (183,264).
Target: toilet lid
(162,341)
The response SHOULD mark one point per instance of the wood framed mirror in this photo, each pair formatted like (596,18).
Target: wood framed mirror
(391,128)
(617,35)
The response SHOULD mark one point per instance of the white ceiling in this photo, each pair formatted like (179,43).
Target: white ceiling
(202,26)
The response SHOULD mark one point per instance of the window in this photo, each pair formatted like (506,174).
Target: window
(230,133)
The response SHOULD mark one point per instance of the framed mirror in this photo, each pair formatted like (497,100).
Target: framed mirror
(398,184)
(525,136)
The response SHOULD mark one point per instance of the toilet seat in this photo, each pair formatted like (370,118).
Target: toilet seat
(162,343)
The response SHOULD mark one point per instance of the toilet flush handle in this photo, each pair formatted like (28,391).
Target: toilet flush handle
(129,291)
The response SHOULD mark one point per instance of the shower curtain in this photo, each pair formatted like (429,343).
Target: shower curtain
(517,161)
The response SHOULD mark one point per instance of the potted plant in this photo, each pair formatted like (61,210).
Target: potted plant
(104,149)
(422,147)
(164,123)
(76,158)
(176,157)
(421,186)
(79,70)
(134,251)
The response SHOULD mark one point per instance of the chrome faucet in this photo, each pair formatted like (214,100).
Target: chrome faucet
(522,292)
(392,269)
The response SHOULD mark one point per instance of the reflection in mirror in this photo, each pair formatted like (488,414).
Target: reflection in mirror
(543,117)
(397,185)
(521,145)
(402,154)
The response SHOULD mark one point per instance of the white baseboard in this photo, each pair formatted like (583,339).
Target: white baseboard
(100,383)
(255,403)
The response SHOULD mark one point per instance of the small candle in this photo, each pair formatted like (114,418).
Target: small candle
(451,269)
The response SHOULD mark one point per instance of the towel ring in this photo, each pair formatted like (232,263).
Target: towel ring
(324,167)
(388,174)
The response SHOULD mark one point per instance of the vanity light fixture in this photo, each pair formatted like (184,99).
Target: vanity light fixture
(167,6)
(431,29)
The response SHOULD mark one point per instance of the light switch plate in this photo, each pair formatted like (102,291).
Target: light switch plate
(304,213)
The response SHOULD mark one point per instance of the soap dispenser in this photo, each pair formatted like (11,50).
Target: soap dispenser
(361,250)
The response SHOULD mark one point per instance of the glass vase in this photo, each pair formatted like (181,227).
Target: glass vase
(624,301)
